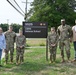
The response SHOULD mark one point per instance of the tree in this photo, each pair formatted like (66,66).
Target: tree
(52,11)
(4,27)
(16,27)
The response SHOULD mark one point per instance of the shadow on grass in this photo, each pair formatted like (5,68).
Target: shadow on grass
(29,66)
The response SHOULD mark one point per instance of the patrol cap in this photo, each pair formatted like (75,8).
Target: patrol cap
(62,20)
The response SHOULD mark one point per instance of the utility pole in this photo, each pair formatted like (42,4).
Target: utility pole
(8,21)
(26,11)
(26,14)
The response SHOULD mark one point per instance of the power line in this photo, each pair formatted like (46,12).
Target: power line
(19,6)
(14,2)
(19,10)
(15,8)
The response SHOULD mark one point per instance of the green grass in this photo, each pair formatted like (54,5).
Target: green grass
(36,42)
(36,64)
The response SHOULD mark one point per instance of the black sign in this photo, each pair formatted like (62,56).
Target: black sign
(35,29)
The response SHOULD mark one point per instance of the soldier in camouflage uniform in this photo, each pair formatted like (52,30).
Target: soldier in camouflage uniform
(10,39)
(20,46)
(53,40)
(65,34)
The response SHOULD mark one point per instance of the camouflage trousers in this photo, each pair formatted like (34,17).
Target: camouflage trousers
(11,49)
(65,44)
(53,53)
(19,54)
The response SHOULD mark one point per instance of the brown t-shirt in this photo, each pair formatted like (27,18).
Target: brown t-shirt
(74,32)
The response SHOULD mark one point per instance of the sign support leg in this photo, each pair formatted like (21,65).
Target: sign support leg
(46,50)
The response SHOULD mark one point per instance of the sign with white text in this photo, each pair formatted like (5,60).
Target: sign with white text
(35,29)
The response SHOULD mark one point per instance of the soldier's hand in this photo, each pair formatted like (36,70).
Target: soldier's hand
(70,39)
(53,45)
(20,46)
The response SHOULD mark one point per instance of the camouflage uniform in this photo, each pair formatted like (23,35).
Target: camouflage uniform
(10,39)
(65,32)
(20,41)
(53,39)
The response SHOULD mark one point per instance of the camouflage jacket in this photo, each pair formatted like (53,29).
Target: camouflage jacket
(52,38)
(64,32)
(10,38)
(20,41)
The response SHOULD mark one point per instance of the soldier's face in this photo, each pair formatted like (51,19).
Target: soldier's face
(1,30)
(10,28)
(62,22)
(20,32)
(52,30)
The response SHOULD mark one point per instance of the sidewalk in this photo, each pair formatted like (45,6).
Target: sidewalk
(37,47)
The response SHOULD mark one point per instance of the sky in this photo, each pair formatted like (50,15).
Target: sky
(9,15)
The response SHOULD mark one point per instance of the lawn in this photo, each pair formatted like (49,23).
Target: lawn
(36,64)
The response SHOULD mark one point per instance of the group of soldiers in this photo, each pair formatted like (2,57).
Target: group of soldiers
(20,40)
(63,36)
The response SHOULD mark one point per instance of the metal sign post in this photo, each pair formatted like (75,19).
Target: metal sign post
(46,49)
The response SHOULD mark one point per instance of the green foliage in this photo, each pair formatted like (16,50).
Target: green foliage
(42,44)
(52,11)
(4,27)
(16,27)
(27,45)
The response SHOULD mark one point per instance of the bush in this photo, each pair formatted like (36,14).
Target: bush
(42,44)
